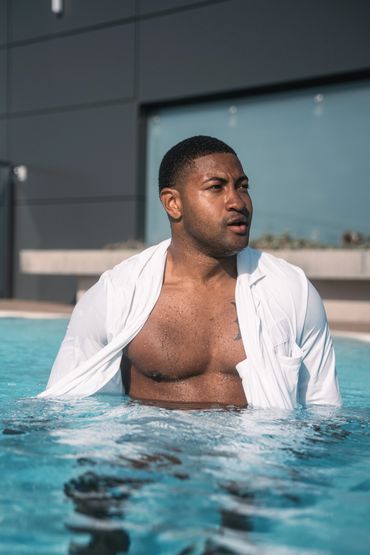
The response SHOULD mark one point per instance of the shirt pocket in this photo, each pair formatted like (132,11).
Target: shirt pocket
(289,357)
(281,338)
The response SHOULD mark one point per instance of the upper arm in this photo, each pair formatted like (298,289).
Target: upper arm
(318,383)
(86,332)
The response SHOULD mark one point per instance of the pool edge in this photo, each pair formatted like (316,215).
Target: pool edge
(360,336)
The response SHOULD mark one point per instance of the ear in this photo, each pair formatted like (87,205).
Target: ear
(171,200)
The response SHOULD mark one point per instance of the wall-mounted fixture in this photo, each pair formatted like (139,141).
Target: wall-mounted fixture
(57,7)
(21,173)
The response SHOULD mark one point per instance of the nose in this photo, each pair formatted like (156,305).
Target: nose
(235,200)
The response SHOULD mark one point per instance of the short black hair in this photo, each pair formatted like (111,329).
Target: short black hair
(184,153)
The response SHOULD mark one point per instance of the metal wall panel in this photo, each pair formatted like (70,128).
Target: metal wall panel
(3,280)
(30,19)
(241,44)
(3,81)
(45,288)
(75,225)
(3,21)
(3,139)
(85,68)
(146,7)
(3,211)
(70,226)
(82,153)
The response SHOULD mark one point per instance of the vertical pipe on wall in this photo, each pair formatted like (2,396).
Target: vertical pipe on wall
(7,230)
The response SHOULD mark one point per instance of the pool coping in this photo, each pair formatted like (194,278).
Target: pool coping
(359,335)
(32,315)
(19,308)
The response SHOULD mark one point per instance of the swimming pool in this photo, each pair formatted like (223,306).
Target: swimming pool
(106,475)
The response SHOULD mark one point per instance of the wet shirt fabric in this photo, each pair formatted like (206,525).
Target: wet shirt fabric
(283,325)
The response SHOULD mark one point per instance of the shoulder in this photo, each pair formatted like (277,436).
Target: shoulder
(132,278)
(273,267)
(276,267)
(279,283)
(128,270)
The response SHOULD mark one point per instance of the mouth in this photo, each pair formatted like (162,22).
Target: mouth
(239,225)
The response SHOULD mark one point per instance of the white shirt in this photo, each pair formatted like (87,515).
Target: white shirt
(290,357)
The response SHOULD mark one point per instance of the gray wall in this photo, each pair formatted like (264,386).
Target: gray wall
(73,91)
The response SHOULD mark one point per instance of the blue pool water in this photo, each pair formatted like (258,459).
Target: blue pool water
(106,475)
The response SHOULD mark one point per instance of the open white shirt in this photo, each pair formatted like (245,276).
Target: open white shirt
(290,357)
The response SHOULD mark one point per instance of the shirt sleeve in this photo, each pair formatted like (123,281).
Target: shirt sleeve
(86,332)
(318,382)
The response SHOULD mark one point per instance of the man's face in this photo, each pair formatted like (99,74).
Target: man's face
(216,209)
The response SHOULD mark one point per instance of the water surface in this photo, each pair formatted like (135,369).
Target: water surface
(106,475)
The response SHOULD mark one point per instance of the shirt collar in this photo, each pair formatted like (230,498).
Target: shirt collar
(248,262)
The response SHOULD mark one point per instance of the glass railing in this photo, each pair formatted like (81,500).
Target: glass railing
(306,153)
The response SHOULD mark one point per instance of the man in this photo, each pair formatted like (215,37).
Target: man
(201,319)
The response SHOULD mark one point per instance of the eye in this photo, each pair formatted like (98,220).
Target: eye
(215,187)
(244,187)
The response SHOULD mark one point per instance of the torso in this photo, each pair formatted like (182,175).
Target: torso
(188,348)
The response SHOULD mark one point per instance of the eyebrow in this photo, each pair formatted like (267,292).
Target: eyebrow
(223,180)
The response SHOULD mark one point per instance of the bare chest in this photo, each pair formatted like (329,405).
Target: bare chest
(187,335)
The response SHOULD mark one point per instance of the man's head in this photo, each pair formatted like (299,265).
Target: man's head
(181,156)
(204,191)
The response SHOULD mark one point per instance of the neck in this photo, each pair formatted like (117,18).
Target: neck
(192,264)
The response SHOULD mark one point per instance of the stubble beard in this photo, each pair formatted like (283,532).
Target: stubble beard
(218,246)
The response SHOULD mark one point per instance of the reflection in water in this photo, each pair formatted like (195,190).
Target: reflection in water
(101,499)
(242,497)
(142,485)
(148,480)
(103,542)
